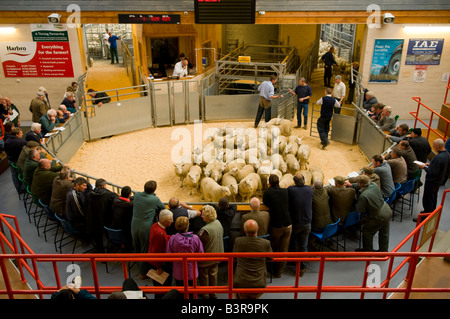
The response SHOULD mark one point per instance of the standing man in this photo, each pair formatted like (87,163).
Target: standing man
(38,107)
(106,48)
(326,113)
(181,69)
(251,272)
(303,92)
(328,60)
(377,212)
(266,95)
(437,174)
(342,199)
(300,209)
(352,84)
(113,47)
(338,93)
(277,199)
(419,144)
(260,216)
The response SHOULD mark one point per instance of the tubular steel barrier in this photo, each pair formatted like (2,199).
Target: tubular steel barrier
(416,116)
(24,255)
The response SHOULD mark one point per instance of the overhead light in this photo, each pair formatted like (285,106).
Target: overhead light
(54,18)
(426,28)
(7,30)
(388,18)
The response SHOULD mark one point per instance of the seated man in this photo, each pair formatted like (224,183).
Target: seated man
(410,158)
(99,98)
(399,133)
(181,69)
(368,171)
(375,112)
(383,170)
(43,177)
(342,199)
(321,213)
(24,154)
(398,166)
(69,102)
(34,134)
(369,101)
(30,165)
(387,120)
(48,121)
(61,185)
(76,204)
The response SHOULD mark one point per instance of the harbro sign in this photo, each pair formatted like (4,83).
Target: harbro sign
(49,32)
(36,59)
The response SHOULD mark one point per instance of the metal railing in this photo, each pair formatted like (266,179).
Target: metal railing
(25,257)
(429,124)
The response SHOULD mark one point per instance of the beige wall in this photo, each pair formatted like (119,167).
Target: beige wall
(23,90)
(399,95)
(300,36)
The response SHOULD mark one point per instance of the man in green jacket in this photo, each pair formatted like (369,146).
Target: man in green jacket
(377,214)
(43,180)
(48,121)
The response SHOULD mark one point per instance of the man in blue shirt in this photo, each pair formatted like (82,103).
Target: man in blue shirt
(266,95)
(303,92)
(113,47)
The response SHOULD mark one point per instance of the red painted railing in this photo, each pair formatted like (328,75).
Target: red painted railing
(446,92)
(24,256)
(429,125)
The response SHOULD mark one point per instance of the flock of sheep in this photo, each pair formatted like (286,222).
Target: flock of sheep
(343,67)
(237,162)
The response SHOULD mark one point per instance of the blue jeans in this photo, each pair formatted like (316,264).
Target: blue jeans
(323,126)
(301,107)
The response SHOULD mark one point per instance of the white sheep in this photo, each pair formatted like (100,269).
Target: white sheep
(240,174)
(316,173)
(292,163)
(278,162)
(230,181)
(249,186)
(212,191)
(193,177)
(214,170)
(287,180)
(303,155)
(238,162)
(291,148)
(181,170)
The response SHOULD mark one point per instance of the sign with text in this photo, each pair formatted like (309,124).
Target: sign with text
(387,54)
(424,51)
(36,59)
(49,32)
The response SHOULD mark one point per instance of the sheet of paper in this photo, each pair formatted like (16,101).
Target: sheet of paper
(353,174)
(419,163)
(159,278)
(331,181)
(133,294)
(60,128)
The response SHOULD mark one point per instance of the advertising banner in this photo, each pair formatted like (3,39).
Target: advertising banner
(49,32)
(36,59)
(386,61)
(424,51)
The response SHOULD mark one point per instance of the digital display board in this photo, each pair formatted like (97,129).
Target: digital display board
(149,18)
(224,11)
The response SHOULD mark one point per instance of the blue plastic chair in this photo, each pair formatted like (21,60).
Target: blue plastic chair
(115,236)
(405,189)
(68,233)
(328,232)
(391,199)
(352,219)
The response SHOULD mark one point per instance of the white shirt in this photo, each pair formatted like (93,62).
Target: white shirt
(179,70)
(339,90)
(105,38)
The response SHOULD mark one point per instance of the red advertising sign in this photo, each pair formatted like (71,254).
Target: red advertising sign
(36,59)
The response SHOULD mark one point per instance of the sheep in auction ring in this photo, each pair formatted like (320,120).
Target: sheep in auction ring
(287,180)
(193,177)
(181,170)
(249,186)
(212,191)
(230,181)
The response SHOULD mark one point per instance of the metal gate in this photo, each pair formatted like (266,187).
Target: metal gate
(342,37)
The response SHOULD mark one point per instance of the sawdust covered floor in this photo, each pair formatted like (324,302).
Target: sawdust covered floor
(134,158)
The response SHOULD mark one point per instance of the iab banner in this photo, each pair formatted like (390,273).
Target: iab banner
(36,59)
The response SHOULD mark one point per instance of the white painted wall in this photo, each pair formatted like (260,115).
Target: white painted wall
(21,93)
(399,95)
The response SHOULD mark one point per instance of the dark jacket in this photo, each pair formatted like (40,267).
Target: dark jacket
(300,204)
(99,209)
(75,214)
(225,216)
(13,147)
(277,199)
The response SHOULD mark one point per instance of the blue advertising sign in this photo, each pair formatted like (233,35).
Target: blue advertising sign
(424,51)
(387,54)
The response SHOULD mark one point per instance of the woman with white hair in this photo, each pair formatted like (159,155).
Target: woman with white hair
(211,236)
(157,244)
(35,133)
